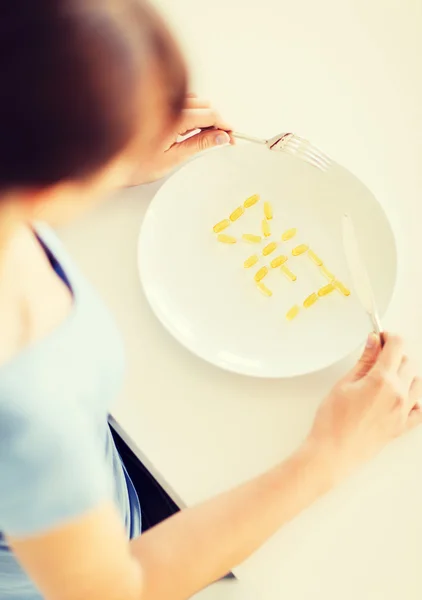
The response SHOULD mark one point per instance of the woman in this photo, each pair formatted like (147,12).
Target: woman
(90,90)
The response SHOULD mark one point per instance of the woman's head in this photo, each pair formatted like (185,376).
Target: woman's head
(81,81)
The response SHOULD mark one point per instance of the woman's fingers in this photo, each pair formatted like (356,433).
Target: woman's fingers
(197,143)
(409,384)
(415,392)
(415,418)
(201,118)
(391,355)
(407,371)
(368,358)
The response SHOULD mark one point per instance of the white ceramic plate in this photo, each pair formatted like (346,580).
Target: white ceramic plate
(200,291)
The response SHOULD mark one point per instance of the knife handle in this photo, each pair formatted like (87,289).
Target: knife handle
(376,323)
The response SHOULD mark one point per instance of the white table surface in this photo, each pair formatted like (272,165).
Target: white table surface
(347,75)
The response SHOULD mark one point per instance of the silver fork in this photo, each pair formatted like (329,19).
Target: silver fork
(291,144)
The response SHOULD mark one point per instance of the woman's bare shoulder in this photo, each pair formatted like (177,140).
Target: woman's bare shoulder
(33,299)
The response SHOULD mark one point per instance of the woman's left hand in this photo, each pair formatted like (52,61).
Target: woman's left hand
(197,114)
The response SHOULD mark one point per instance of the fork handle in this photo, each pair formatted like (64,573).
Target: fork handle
(248,138)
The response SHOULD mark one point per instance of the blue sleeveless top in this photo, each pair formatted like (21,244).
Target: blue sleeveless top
(57,456)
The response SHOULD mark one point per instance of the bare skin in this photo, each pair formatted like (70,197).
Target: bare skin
(90,556)
(23,265)
(197,114)
(374,404)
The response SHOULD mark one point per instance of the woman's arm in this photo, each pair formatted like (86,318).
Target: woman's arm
(374,403)
(92,559)
(200,545)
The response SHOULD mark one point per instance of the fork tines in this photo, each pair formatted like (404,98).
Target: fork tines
(293,144)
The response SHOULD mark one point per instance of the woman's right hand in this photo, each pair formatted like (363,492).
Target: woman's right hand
(375,403)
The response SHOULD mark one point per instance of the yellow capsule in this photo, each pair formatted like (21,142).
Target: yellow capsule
(288,273)
(277,262)
(266,229)
(315,258)
(289,234)
(252,239)
(221,225)
(263,271)
(341,288)
(300,250)
(268,249)
(226,239)
(292,313)
(327,273)
(251,201)
(268,211)
(236,214)
(263,288)
(327,289)
(250,262)
(310,300)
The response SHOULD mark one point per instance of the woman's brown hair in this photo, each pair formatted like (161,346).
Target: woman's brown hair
(72,73)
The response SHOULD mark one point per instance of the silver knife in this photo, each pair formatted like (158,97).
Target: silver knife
(359,274)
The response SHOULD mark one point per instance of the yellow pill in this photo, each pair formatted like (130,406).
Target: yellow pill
(287,272)
(226,239)
(252,239)
(310,300)
(327,273)
(251,201)
(268,249)
(300,250)
(341,288)
(327,289)
(289,234)
(263,288)
(266,229)
(315,258)
(292,313)
(277,262)
(268,211)
(261,274)
(221,225)
(237,213)
(250,262)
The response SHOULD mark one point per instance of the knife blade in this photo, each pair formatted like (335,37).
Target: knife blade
(359,274)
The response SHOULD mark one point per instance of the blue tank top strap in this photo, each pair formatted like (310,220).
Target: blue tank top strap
(53,261)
